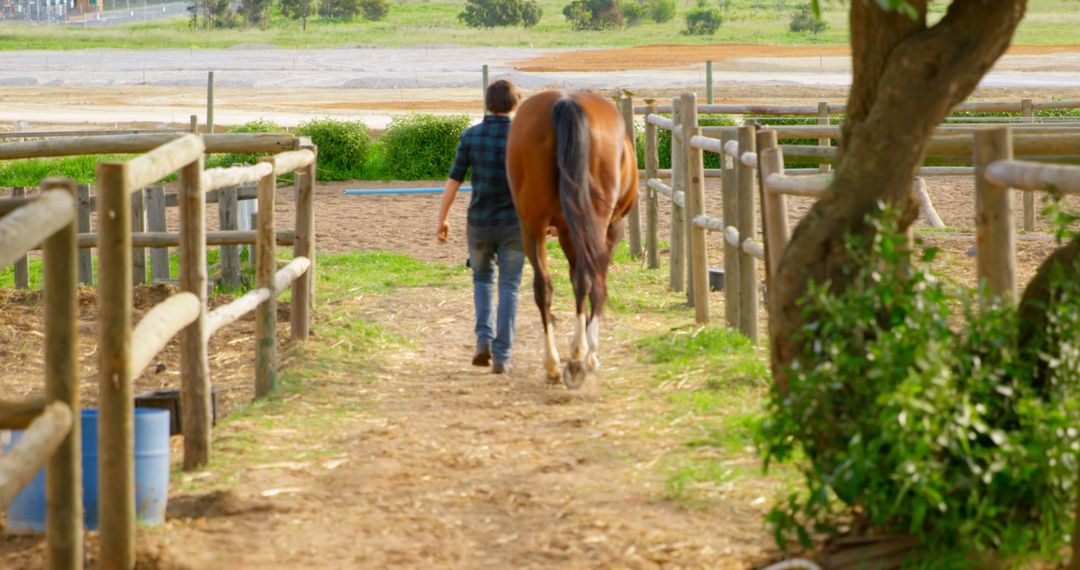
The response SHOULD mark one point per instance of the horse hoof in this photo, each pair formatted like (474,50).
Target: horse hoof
(553,377)
(574,375)
(594,362)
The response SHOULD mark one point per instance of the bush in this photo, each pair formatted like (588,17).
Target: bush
(593,14)
(343,147)
(663,142)
(901,422)
(374,10)
(339,9)
(702,21)
(632,12)
(256,126)
(421,147)
(498,13)
(804,20)
(531,13)
(661,10)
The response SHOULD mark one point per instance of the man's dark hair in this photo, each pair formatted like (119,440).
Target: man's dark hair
(502,97)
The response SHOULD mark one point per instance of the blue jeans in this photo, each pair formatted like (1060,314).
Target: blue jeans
(488,247)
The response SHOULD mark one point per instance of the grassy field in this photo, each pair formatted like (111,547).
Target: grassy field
(434,22)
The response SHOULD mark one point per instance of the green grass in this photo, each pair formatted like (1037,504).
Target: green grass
(719,379)
(424,22)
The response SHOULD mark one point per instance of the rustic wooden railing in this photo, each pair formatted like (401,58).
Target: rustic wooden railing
(52,428)
(753,163)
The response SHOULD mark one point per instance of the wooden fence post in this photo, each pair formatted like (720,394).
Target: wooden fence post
(22,266)
(823,119)
(116,477)
(1028,110)
(774,214)
(708,83)
(748,285)
(210,103)
(228,220)
(194,363)
(86,261)
(138,226)
(678,232)
(695,200)
(193,124)
(652,166)
(689,123)
(484,73)
(633,220)
(265,267)
(155,222)
(995,256)
(303,293)
(730,197)
(63,478)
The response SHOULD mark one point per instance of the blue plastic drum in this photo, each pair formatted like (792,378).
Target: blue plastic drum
(27,512)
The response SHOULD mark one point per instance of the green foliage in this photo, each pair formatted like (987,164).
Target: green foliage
(421,147)
(256,126)
(902,422)
(632,12)
(804,20)
(663,142)
(339,9)
(297,9)
(256,13)
(661,11)
(594,14)
(343,147)
(498,13)
(703,20)
(31,171)
(374,10)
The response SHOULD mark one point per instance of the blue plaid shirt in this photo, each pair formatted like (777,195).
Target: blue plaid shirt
(483,147)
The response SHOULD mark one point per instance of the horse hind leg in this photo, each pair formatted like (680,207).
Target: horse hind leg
(542,290)
(576,370)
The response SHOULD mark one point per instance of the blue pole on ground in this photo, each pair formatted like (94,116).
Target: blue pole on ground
(384,191)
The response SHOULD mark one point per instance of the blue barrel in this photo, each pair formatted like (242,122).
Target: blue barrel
(27,512)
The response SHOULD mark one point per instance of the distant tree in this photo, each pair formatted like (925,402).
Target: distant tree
(531,12)
(632,12)
(804,20)
(256,13)
(594,14)
(339,9)
(374,10)
(703,20)
(662,10)
(499,13)
(298,10)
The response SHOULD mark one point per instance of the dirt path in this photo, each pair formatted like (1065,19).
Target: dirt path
(433,463)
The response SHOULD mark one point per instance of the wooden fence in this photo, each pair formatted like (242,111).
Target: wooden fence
(753,172)
(125,351)
(52,433)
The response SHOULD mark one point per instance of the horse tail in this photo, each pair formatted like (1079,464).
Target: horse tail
(571,126)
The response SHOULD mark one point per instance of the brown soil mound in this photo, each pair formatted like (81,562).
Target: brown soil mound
(223,503)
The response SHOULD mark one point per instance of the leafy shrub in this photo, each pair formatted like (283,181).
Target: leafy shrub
(903,423)
(339,9)
(804,20)
(661,10)
(256,126)
(663,142)
(421,147)
(531,13)
(498,13)
(593,14)
(632,12)
(343,147)
(374,10)
(703,20)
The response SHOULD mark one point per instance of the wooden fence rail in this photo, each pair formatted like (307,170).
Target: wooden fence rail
(124,350)
(752,172)
(52,435)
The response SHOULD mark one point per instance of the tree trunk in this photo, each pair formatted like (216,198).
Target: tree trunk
(906,77)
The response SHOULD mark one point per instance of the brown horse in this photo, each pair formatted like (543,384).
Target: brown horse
(571,165)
